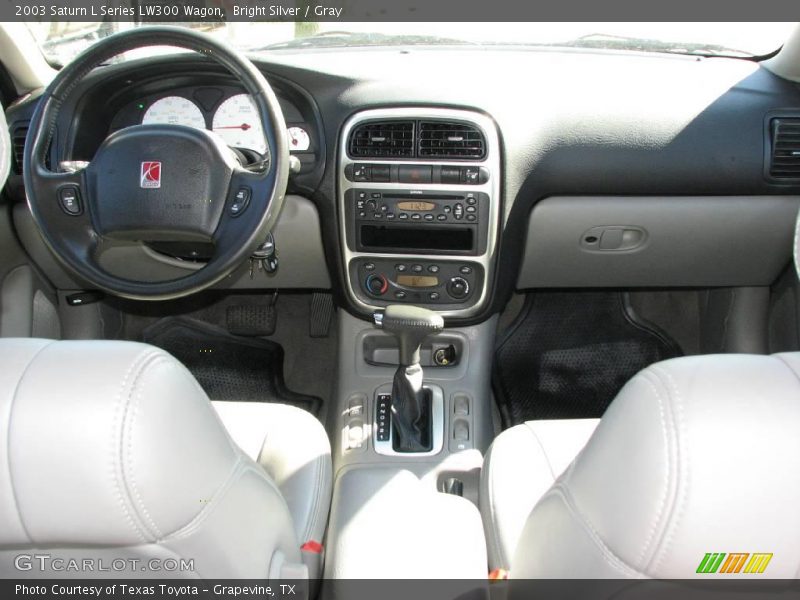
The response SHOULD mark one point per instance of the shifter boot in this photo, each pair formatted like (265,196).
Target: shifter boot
(411,411)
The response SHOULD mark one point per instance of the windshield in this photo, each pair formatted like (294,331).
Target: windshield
(61,41)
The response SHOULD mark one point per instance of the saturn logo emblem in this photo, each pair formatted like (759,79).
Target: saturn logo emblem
(150,176)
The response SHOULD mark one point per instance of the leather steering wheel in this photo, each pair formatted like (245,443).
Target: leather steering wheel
(156,182)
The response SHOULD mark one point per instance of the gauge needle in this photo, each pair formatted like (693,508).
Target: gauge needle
(243,127)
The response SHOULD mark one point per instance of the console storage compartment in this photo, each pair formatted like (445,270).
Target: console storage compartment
(387,523)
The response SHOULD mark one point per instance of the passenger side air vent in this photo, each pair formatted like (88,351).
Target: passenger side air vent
(785,150)
(18,136)
(382,139)
(448,139)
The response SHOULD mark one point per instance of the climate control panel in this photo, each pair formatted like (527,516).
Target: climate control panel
(432,282)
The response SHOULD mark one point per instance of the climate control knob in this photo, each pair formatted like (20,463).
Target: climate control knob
(458,288)
(376,284)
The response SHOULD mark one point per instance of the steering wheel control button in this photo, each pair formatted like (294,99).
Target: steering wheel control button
(458,288)
(376,284)
(70,200)
(240,201)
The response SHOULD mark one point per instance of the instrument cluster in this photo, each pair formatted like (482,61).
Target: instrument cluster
(232,116)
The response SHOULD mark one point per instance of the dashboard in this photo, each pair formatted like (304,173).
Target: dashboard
(581,144)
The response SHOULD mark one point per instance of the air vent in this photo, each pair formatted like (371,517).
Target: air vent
(785,158)
(446,139)
(383,139)
(18,136)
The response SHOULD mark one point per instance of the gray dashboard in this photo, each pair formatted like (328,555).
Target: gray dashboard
(571,123)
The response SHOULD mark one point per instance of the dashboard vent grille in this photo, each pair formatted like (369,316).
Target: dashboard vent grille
(383,139)
(445,139)
(785,158)
(18,136)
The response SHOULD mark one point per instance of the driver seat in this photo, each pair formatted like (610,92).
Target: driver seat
(117,457)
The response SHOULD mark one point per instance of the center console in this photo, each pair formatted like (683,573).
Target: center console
(419,195)
(419,209)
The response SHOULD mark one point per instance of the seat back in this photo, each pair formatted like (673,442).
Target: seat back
(693,471)
(117,461)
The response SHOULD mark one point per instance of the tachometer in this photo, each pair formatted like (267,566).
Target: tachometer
(237,122)
(175,110)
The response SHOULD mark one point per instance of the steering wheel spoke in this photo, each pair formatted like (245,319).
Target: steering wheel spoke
(62,199)
(249,194)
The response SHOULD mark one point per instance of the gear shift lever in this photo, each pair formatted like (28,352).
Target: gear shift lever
(411,403)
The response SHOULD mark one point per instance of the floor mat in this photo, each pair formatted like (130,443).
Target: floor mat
(569,353)
(226,366)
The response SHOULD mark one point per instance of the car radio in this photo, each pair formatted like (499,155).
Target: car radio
(414,221)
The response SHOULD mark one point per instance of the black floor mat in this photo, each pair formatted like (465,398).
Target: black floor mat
(226,366)
(569,353)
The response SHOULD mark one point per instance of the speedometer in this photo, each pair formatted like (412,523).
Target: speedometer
(238,123)
(175,110)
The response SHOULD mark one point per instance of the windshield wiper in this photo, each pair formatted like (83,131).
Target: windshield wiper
(341,39)
(617,42)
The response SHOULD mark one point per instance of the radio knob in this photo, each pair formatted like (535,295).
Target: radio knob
(377,285)
(458,288)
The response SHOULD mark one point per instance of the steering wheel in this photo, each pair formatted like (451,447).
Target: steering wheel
(156,182)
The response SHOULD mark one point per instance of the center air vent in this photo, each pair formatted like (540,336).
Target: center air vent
(447,139)
(785,154)
(383,139)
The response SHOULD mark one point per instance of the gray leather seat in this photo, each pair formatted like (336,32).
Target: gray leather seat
(115,452)
(696,455)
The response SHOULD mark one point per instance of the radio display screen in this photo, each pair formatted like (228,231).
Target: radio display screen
(417,281)
(415,206)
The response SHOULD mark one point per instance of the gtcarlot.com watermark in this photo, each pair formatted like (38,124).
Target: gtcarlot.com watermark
(50,563)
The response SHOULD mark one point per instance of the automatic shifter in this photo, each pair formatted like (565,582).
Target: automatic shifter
(411,403)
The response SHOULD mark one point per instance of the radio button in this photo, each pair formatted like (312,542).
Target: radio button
(429,217)
(472,200)
(447,209)
(403,216)
(362,195)
(362,214)
(471,218)
(376,194)
(458,211)
(441,217)
(471,209)
(390,216)
(377,215)
(416,217)
(416,268)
